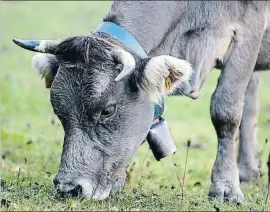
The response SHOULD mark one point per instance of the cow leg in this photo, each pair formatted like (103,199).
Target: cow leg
(248,157)
(226,110)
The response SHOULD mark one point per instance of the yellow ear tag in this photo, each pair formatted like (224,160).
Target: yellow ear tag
(168,83)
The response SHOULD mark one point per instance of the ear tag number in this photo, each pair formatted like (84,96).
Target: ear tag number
(168,83)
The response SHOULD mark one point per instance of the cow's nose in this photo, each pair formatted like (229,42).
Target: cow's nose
(67,188)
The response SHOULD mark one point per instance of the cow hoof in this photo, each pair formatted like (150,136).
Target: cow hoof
(248,174)
(225,191)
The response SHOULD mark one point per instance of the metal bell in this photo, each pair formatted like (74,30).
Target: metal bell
(160,139)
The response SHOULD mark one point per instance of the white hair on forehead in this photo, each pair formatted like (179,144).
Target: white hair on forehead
(101,83)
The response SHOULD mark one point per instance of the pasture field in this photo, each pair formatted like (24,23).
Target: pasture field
(31,136)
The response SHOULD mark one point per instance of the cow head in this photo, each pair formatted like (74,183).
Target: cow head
(103,96)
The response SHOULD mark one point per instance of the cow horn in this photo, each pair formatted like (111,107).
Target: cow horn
(43,46)
(127,60)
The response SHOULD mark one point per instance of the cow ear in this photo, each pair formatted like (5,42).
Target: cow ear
(160,75)
(46,65)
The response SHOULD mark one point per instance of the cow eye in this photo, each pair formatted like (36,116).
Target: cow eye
(108,111)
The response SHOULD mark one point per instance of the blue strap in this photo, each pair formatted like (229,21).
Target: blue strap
(158,109)
(123,36)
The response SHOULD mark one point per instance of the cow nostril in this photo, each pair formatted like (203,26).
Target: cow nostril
(76,191)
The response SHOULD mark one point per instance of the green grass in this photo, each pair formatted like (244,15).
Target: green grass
(32,136)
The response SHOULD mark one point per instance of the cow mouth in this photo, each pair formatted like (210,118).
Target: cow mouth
(74,192)
(84,188)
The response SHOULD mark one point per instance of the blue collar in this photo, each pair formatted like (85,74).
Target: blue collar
(123,36)
(128,40)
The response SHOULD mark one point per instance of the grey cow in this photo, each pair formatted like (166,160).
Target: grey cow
(105,120)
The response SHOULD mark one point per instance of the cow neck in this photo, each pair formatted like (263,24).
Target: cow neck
(123,36)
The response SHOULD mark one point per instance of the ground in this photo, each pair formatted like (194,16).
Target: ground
(32,136)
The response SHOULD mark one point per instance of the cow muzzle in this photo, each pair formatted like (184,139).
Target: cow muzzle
(83,187)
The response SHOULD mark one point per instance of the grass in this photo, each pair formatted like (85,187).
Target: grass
(31,136)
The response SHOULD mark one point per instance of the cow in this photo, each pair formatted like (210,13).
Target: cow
(102,91)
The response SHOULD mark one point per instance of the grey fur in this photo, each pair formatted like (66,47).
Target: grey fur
(194,30)
(248,157)
(98,146)
(200,32)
